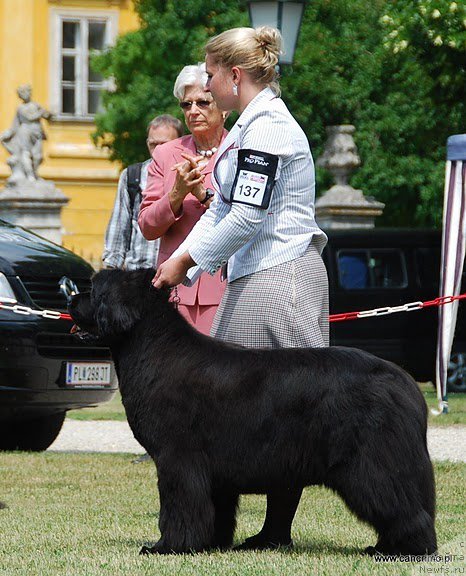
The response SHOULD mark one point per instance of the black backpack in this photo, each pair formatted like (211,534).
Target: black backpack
(133,183)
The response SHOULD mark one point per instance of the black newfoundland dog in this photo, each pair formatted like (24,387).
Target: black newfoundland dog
(220,420)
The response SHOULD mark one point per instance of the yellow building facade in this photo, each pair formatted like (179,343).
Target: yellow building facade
(47,43)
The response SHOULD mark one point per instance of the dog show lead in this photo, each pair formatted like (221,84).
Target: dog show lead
(261,222)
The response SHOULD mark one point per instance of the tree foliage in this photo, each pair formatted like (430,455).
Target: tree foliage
(144,64)
(378,65)
(348,70)
(436,31)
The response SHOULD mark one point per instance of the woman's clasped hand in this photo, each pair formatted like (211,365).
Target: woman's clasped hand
(189,176)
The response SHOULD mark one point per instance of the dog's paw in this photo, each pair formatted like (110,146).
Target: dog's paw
(259,543)
(158,548)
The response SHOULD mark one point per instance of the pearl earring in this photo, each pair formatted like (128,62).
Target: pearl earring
(235,90)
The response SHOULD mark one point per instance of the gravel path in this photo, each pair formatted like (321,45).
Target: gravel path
(96,436)
(445,443)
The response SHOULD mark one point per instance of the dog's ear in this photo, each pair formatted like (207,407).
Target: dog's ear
(118,301)
(114,319)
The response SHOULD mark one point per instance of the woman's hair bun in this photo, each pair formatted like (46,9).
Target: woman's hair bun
(270,39)
(255,50)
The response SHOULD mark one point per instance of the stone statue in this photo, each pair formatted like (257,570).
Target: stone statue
(24,139)
(28,200)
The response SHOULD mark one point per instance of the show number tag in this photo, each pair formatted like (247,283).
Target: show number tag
(255,178)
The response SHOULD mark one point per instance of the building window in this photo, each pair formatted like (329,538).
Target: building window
(76,88)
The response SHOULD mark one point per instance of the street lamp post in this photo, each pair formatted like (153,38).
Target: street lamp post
(286,15)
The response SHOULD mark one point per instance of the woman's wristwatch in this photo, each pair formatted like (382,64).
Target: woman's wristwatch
(208,195)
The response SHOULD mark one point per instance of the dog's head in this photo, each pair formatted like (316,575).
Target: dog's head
(117,301)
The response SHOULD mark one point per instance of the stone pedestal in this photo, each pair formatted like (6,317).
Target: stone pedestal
(345,207)
(34,205)
(342,206)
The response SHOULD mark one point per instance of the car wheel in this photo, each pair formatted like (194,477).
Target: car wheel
(31,435)
(456,379)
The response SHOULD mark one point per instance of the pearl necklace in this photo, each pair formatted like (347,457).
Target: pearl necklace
(207,153)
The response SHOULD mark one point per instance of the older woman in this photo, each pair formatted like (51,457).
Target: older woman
(176,194)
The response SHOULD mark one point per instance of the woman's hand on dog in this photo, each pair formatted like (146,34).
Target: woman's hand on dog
(173,271)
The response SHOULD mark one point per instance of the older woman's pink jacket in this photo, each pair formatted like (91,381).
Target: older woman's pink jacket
(156,218)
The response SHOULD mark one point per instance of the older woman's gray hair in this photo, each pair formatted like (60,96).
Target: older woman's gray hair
(190,76)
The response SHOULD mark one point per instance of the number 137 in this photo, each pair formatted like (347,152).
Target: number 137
(248,190)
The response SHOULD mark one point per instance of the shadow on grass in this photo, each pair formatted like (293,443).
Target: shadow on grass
(325,547)
(126,542)
(306,547)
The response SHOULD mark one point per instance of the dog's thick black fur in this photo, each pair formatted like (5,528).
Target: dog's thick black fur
(220,420)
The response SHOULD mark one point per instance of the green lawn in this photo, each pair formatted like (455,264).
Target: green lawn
(456,407)
(114,410)
(73,514)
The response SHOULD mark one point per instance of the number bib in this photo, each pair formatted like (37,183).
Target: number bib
(255,178)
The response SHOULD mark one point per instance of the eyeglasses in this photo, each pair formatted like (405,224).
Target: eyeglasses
(202,104)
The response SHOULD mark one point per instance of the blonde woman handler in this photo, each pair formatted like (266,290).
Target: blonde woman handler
(260,224)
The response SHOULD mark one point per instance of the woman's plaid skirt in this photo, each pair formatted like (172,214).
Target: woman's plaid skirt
(283,306)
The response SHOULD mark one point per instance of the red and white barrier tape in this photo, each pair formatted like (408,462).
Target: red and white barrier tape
(13,306)
(440,301)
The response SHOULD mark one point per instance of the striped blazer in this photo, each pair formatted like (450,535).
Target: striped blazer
(251,238)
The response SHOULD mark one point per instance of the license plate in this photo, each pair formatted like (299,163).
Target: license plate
(88,373)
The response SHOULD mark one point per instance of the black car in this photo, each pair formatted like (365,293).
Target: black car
(44,370)
(375,268)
